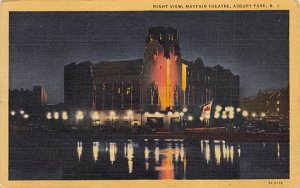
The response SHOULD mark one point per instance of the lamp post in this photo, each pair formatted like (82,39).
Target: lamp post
(49,117)
(184,109)
(26,116)
(79,116)
(12,113)
(181,114)
(190,119)
(95,117)
(64,115)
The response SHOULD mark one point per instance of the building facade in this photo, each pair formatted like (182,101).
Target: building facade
(31,102)
(161,81)
(274,103)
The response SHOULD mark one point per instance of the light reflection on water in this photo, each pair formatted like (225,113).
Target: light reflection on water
(169,155)
(162,159)
(79,150)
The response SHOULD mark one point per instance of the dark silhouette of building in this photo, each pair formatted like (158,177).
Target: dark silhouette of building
(31,102)
(274,103)
(78,86)
(209,83)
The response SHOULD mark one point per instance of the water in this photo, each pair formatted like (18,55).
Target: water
(66,157)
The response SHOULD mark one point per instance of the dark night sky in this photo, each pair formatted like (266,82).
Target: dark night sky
(252,44)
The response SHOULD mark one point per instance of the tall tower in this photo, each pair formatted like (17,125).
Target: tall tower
(162,65)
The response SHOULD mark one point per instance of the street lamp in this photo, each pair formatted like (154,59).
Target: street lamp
(95,115)
(170,114)
(263,114)
(22,112)
(176,114)
(13,113)
(64,115)
(217,115)
(130,116)
(79,115)
(245,113)
(253,114)
(190,118)
(112,115)
(184,109)
(49,115)
(218,108)
(129,112)
(238,109)
(26,116)
(56,115)
(181,114)
(224,116)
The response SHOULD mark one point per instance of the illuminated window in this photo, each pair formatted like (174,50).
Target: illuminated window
(277,109)
(119,90)
(160,36)
(278,102)
(208,78)
(128,91)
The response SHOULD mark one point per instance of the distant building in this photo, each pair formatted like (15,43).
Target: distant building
(273,103)
(31,102)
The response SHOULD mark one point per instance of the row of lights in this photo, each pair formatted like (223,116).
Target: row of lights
(229,112)
(80,115)
(22,113)
(170,114)
(55,115)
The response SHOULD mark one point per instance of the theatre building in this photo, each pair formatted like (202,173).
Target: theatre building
(159,82)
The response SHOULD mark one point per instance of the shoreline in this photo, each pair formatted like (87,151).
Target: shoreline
(228,136)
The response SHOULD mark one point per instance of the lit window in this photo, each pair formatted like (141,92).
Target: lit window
(119,90)
(278,102)
(128,91)
(160,36)
(277,109)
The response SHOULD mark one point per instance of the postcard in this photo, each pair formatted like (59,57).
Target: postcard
(166,93)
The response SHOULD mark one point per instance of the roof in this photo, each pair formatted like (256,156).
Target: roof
(117,68)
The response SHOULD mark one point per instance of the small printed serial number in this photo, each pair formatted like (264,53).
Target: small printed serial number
(275,182)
